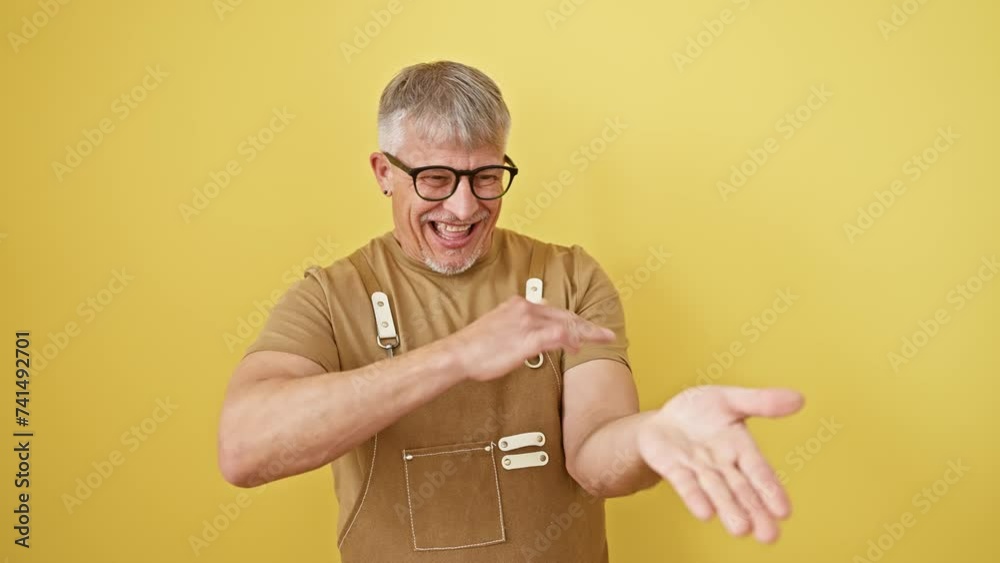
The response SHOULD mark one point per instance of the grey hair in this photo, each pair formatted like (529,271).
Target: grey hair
(443,101)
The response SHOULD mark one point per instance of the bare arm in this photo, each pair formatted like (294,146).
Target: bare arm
(698,441)
(276,400)
(601,420)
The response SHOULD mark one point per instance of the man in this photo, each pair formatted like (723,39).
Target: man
(470,386)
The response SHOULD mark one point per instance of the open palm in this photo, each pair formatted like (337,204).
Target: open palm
(699,442)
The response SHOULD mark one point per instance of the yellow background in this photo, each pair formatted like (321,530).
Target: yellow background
(655,185)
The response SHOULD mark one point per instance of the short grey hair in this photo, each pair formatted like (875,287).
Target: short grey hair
(443,101)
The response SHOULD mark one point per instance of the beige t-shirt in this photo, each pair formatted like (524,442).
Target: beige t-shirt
(427,306)
(327,317)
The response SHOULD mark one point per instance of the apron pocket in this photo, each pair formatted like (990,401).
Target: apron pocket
(453,494)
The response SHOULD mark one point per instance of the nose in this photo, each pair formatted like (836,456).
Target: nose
(462,204)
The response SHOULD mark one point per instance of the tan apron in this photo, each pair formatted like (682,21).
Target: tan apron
(476,475)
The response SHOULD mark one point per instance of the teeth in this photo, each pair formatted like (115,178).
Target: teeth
(453,228)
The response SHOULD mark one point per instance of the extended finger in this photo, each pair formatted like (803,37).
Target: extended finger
(764,528)
(732,515)
(736,448)
(770,402)
(583,330)
(741,451)
(684,482)
(577,329)
(765,482)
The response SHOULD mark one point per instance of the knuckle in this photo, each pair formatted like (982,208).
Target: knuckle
(523,306)
(557,332)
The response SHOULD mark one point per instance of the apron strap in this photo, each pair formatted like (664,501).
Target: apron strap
(386,336)
(366,272)
(537,267)
(534,288)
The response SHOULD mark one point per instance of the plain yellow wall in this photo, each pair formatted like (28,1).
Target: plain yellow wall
(161,278)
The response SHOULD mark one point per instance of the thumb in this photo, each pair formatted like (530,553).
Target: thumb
(769,402)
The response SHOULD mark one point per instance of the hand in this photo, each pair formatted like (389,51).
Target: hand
(517,330)
(699,443)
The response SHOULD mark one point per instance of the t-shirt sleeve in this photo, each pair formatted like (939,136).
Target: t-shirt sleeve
(597,301)
(300,324)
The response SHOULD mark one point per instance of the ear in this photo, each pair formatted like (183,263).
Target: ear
(382,170)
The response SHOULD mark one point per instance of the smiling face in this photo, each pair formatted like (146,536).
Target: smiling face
(448,236)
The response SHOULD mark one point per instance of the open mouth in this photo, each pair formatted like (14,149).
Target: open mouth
(451,235)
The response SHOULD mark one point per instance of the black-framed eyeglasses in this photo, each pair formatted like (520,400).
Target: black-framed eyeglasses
(437,182)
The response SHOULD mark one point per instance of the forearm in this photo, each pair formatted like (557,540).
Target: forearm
(607,464)
(307,422)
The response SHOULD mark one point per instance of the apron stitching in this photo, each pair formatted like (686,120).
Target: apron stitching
(409,503)
(503,528)
(491,542)
(496,477)
(447,452)
(554,372)
(368,483)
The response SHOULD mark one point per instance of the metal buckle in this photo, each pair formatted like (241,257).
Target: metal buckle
(537,364)
(533,293)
